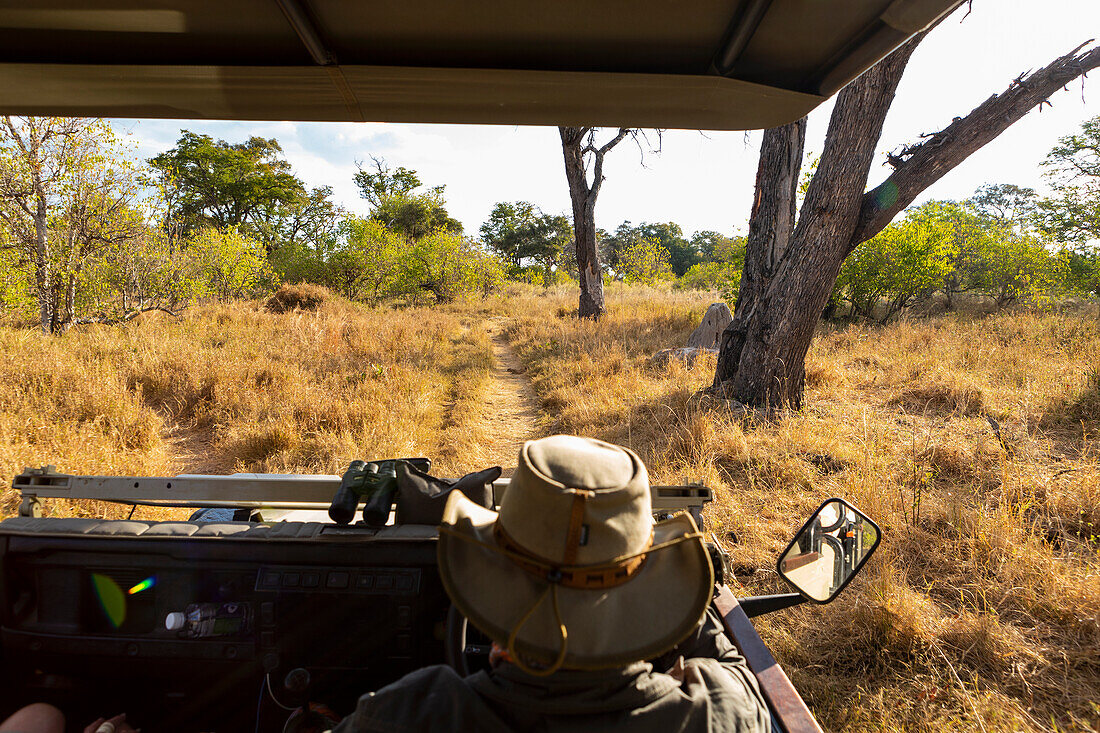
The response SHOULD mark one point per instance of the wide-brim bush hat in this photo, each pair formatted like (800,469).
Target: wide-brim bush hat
(573,571)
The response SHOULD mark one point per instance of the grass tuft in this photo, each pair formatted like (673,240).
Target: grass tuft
(298,296)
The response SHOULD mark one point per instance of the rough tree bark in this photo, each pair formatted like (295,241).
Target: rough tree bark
(790,272)
(576,143)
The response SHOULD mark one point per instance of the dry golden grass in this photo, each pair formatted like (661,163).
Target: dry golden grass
(236,388)
(980,611)
(972,442)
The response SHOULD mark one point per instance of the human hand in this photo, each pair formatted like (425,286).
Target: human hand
(116,724)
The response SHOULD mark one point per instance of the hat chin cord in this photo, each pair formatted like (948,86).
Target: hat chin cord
(552,591)
(552,575)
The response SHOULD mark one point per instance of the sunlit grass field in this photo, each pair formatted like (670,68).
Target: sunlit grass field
(972,440)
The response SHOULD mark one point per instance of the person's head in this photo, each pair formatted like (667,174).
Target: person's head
(573,572)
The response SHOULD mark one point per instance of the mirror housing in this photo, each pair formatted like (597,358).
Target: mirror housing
(827,552)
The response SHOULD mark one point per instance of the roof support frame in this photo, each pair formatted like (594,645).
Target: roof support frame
(738,35)
(303,25)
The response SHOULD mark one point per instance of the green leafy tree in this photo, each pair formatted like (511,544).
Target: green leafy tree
(396,204)
(723,262)
(144,273)
(229,264)
(1005,202)
(905,260)
(973,235)
(1080,271)
(369,263)
(381,183)
(1072,213)
(1021,268)
(448,265)
(645,261)
(521,234)
(682,252)
(67,194)
(213,183)
(309,219)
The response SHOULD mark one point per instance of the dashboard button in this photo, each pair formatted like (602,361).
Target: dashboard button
(267,613)
(385,582)
(291,580)
(404,582)
(364,581)
(310,580)
(337,579)
(269,580)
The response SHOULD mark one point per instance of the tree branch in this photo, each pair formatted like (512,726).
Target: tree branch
(124,318)
(918,167)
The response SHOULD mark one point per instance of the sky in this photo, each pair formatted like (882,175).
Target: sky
(704,180)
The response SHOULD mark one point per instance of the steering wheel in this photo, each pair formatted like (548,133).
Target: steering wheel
(464,648)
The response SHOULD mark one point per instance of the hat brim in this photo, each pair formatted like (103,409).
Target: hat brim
(638,619)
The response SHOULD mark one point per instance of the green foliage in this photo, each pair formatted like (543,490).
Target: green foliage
(148,271)
(380,184)
(228,264)
(369,262)
(1004,202)
(449,265)
(905,260)
(15,286)
(520,233)
(682,254)
(1080,271)
(644,261)
(396,205)
(1021,268)
(416,216)
(1072,213)
(980,246)
(68,195)
(372,263)
(721,268)
(973,237)
(213,183)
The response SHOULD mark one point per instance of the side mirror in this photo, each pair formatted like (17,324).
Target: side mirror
(829,550)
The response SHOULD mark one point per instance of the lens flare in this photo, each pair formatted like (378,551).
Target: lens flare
(143,585)
(111,598)
(887,195)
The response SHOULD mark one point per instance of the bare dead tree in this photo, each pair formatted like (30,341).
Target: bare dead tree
(791,268)
(579,148)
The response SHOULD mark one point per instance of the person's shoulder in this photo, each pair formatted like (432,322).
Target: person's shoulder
(433,698)
(732,690)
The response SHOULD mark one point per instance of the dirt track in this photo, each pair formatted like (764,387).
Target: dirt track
(510,403)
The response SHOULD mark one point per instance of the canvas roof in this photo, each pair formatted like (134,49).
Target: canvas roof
(697,64)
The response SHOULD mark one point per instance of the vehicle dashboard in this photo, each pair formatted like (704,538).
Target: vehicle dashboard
(83,606)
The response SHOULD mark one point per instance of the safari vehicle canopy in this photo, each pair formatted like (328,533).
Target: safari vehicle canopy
(705,64)
(85,604)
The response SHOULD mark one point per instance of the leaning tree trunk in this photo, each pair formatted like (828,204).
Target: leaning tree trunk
(583,199)
(790,270)
(765,370)
(787,281)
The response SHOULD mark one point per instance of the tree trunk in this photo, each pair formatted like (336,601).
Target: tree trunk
(770,227)
(790,269)
(583,199)
(43,268)
(761,362)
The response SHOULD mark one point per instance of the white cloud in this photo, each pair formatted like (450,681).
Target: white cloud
(704,181)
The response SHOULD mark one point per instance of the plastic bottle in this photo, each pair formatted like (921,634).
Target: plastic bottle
(202,620)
